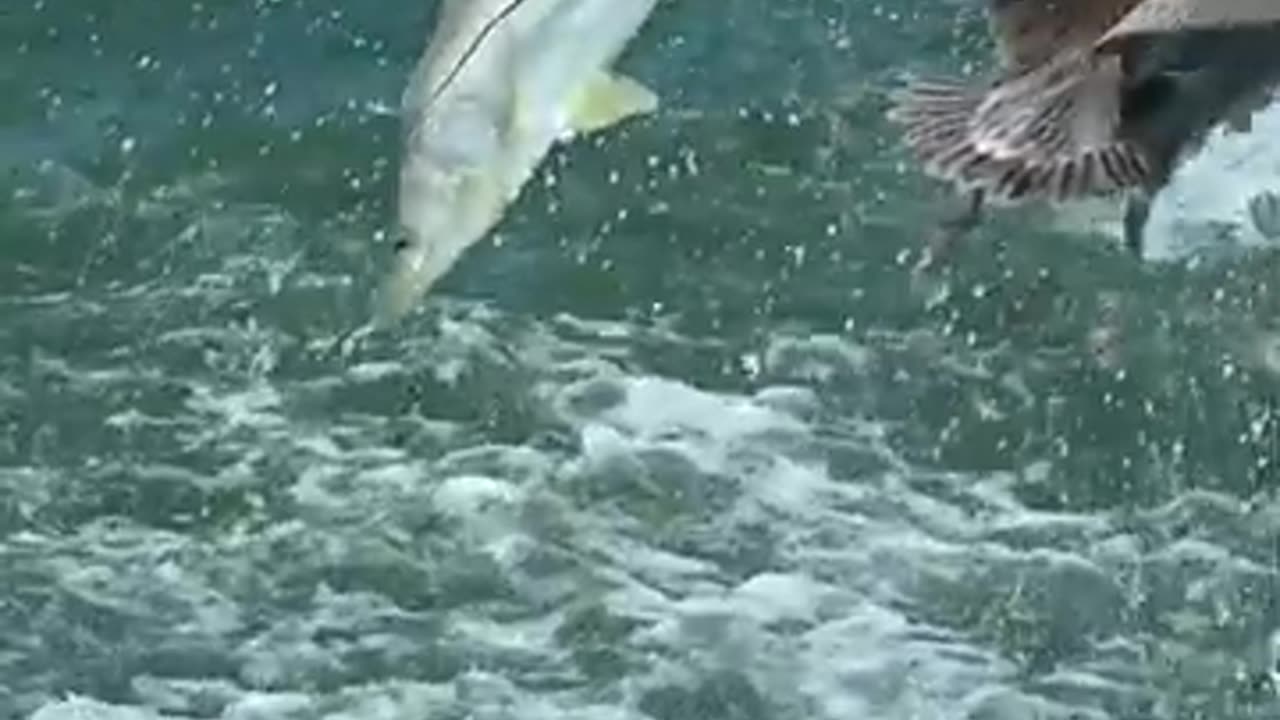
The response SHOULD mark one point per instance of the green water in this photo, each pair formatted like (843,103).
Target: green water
(688,442)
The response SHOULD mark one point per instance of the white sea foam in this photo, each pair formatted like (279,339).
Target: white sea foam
(1204,210)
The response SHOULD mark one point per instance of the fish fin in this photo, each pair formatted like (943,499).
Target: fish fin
(519,121)
(607,99)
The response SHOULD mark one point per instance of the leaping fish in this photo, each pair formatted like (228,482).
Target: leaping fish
(500,82)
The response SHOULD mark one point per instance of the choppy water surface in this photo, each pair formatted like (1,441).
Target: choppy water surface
(687,442)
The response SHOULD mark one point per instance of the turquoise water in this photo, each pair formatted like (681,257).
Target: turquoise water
(686,441)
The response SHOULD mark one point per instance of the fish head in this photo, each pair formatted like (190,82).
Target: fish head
(413,271)
(444,208)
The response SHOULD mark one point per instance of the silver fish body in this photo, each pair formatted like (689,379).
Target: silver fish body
(501,82)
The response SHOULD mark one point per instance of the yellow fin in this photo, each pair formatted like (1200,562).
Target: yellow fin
(606,99)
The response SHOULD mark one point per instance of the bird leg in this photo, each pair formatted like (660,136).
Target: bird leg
(947,231)
(1137,210)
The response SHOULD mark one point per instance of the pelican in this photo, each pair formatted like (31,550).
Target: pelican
(1091,98)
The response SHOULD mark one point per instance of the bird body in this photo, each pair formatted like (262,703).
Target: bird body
(1092,97)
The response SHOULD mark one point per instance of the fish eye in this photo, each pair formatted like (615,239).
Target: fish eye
(400,245)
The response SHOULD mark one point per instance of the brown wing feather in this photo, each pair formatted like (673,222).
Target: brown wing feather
(1050,127)
(1069,104)
(936,118)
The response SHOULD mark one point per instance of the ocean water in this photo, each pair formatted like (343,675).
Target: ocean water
(685,440)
